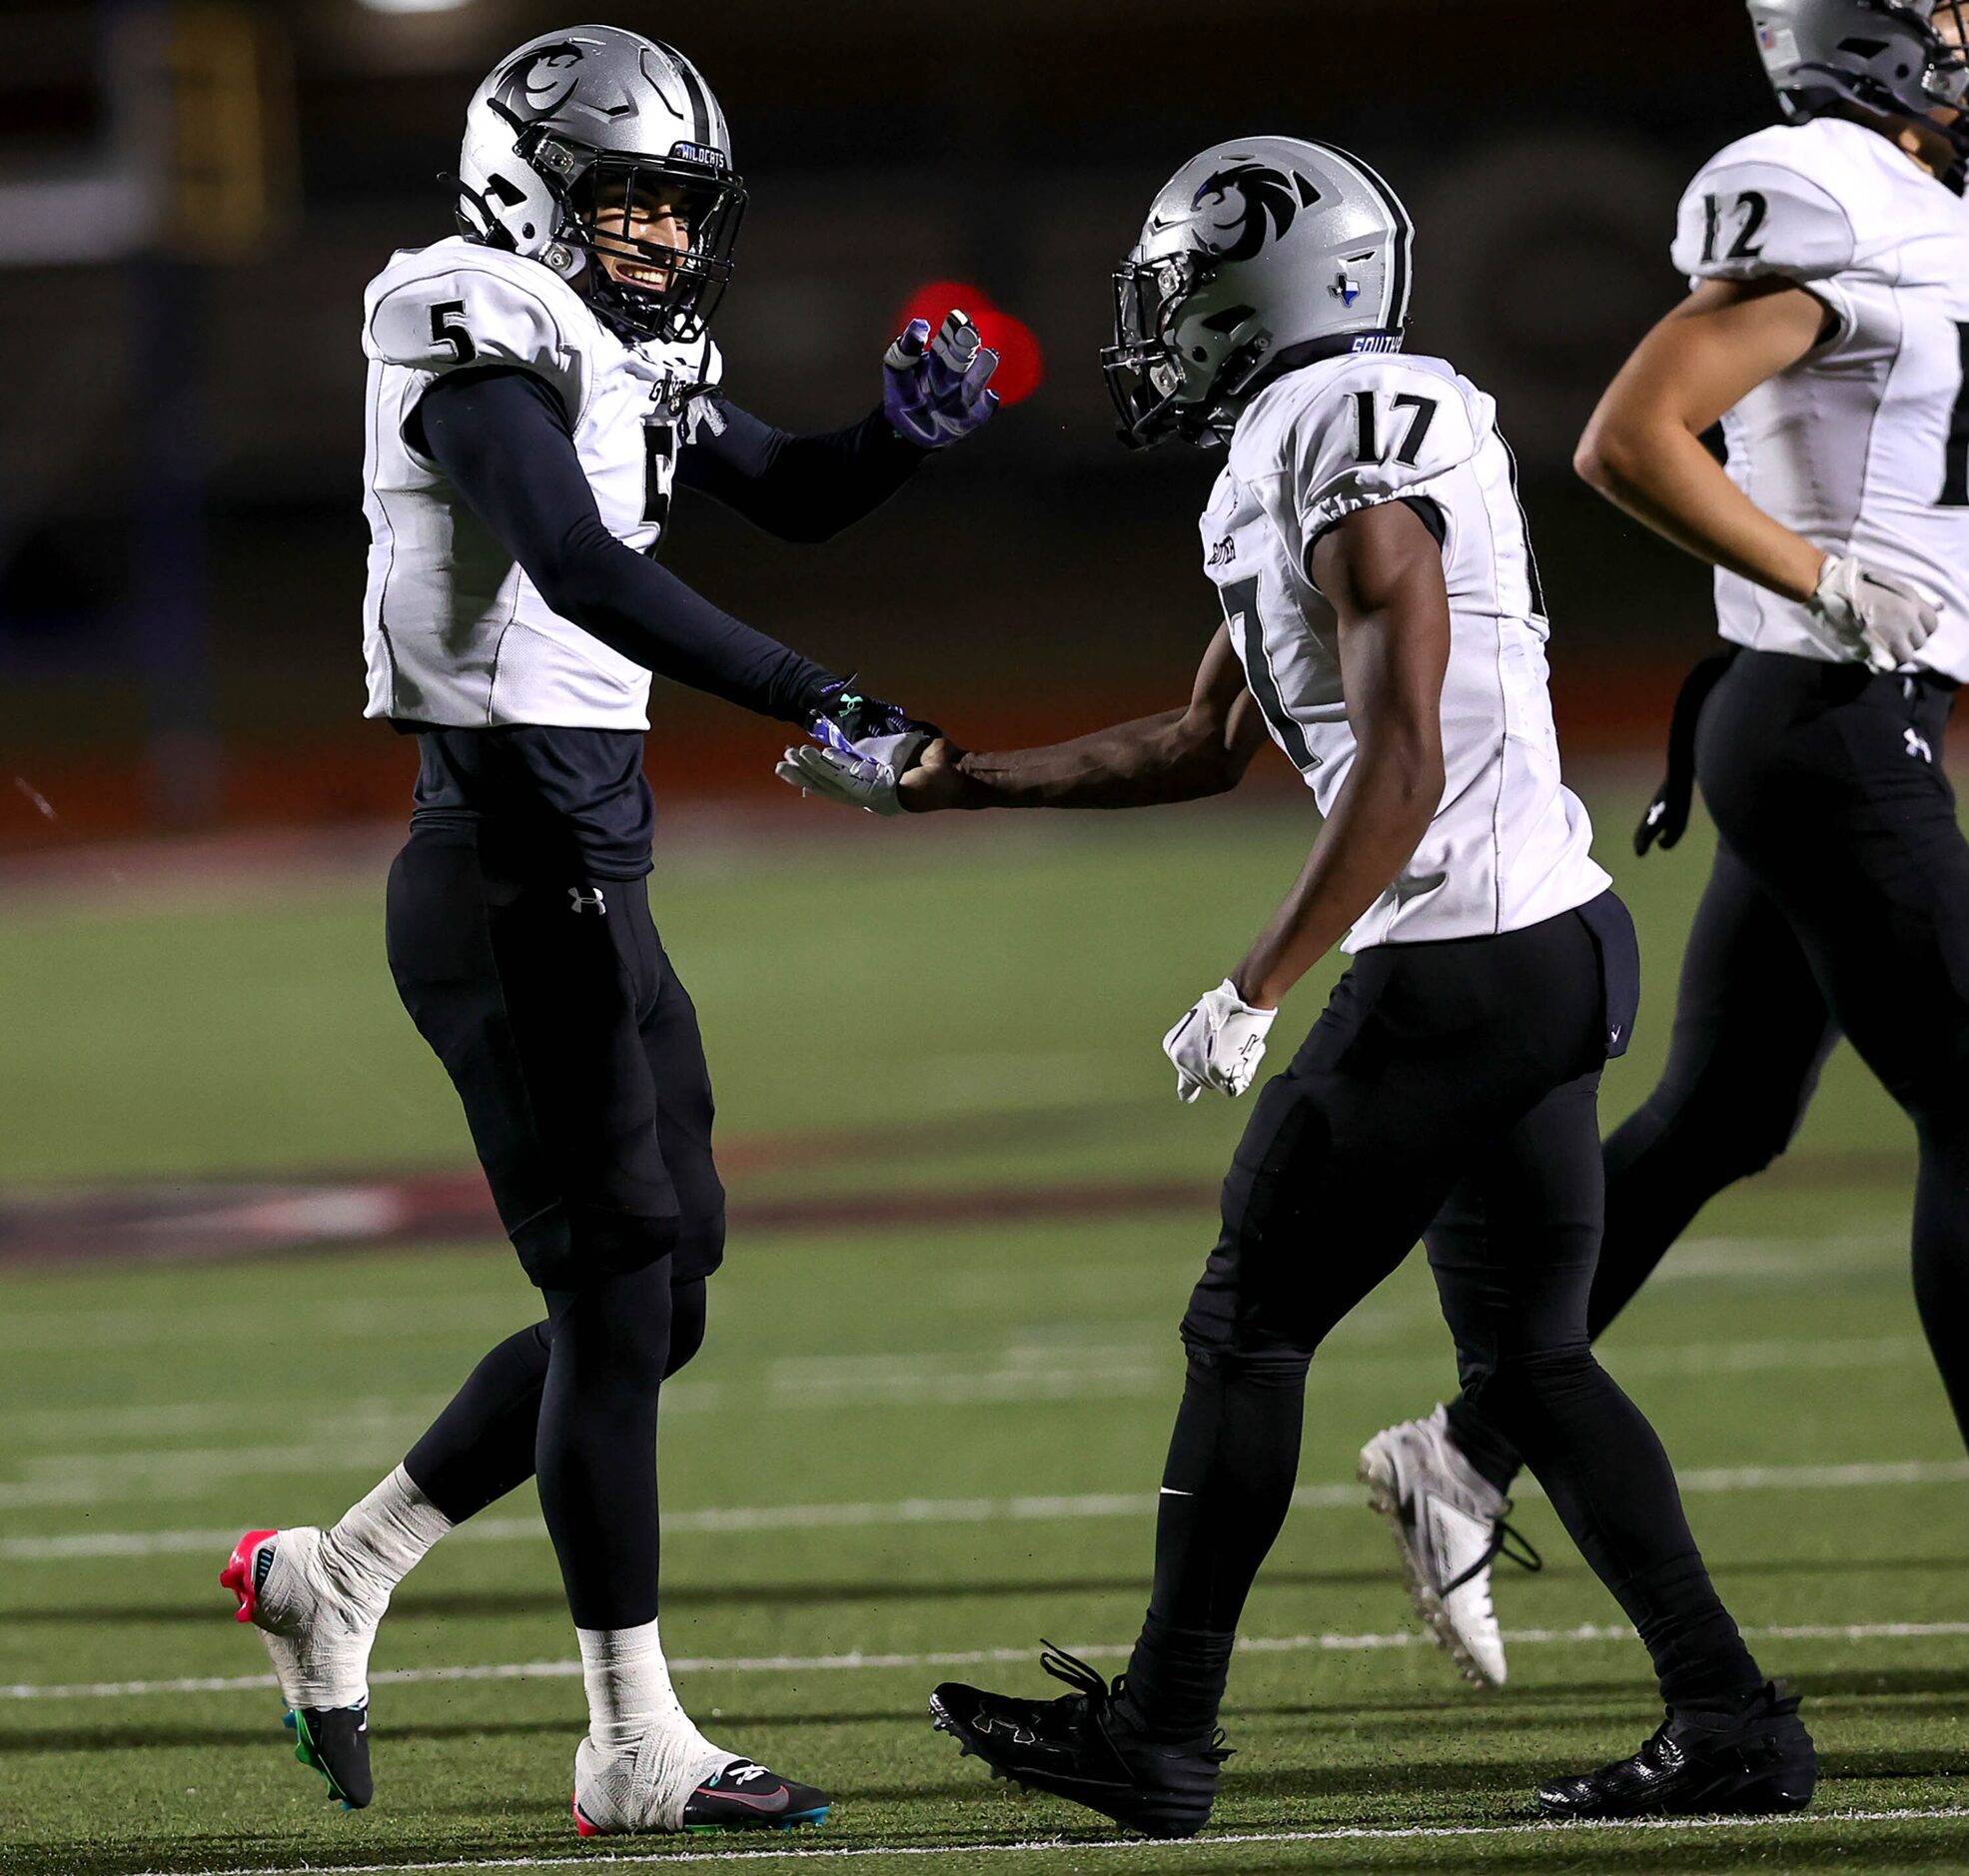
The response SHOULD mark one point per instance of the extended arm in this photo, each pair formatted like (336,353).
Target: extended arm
(799,488)
(1381,571)
(1180,755)
(1642,448)
(502,436)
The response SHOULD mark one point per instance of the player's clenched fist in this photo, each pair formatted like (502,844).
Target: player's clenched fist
(1218,1044)
(1873,617)
(934,390)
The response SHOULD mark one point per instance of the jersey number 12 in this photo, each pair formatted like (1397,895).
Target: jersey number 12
(1755,206)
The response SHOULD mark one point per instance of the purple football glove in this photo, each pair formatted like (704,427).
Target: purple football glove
(934,390)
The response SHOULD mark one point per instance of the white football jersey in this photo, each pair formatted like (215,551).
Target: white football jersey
(1863,447)
(454,632)
(1509,844)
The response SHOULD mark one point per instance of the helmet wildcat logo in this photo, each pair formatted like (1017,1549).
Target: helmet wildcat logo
(538,84)
(1265,205)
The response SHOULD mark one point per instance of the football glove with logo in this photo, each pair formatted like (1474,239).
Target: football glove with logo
(1874,618)
(862,747)
(1218,1044)
(934,390)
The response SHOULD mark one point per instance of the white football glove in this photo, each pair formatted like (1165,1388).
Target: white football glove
(1218,1044)
(1874,618)
(862,775)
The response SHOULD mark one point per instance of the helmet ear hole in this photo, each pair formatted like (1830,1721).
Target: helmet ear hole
(1228,321)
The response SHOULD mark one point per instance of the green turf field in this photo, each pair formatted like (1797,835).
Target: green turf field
(944,1438)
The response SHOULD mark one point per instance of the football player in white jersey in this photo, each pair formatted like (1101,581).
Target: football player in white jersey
(1384,626)
(538,386)
(1827,327)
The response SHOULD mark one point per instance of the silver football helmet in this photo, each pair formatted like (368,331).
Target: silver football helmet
(1886,56)
(1257,255)
(567,134)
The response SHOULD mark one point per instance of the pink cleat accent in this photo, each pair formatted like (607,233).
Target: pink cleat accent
(238,1573)
(582,1827)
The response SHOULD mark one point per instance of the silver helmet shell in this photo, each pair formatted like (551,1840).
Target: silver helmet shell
(1257,254)
(569,129)
(1885,56)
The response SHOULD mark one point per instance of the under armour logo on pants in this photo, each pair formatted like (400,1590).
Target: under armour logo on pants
(589,901)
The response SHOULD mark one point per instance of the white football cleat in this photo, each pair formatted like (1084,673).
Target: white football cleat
(1448,1526)
(317,1630)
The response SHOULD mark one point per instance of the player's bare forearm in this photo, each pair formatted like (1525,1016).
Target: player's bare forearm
(1383,574)
(1131,765)
(1642,448)
(1179,755)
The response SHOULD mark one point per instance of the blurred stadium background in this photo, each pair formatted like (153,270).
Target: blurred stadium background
(192,195)
(946,1351)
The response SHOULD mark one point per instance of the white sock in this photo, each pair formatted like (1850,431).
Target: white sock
(381,1538)
(630,1701)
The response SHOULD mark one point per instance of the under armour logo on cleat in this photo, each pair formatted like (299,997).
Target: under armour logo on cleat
(1917,746)
(589,901)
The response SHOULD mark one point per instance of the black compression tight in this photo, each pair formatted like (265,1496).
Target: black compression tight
(594,1449)
(484,1439)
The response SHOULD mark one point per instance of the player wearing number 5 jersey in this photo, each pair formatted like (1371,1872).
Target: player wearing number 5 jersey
(1383,625)
(538,389)
(1827,327)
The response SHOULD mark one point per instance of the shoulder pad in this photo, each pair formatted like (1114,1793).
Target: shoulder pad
(1359,432)
(458,305)
(1767,205)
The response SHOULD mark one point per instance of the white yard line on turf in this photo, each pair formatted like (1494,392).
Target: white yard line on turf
(1584,1634)
(1018,1375)
(1036,1509)
(1054,1846)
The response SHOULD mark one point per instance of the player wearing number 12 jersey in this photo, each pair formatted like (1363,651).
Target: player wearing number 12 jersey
(1383,625)
(1827,327)
(537,388)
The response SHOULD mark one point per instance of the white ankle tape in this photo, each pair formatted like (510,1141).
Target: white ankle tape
(381,1538)
(648,1755)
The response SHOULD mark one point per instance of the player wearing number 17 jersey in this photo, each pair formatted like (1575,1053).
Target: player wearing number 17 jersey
(1827,327)
(538,386)
(1383,625)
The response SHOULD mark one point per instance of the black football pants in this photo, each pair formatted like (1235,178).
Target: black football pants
(575,1052)
(1839,904)
(1447,1092)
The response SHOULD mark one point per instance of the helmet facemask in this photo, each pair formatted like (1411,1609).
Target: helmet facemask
(598,192)
(1143,371)
(1159,391)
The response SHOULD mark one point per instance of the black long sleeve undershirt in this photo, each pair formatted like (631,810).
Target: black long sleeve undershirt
(799,488)
(502,438)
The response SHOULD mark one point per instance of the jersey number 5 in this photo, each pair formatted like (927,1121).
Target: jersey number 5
(1367,421)
(447,329)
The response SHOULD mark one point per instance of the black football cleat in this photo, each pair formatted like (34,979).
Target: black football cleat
(1750,1763)
(1080,1747)
(334,1741)
(746,1796)
(612,1801)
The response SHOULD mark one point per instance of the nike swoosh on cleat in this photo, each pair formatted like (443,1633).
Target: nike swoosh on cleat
(772,1803)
